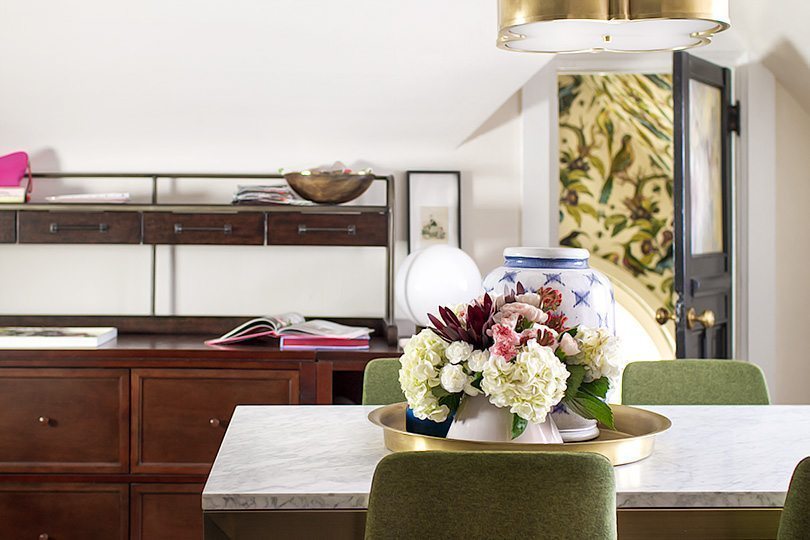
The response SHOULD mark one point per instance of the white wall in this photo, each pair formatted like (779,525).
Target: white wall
(792,248)
(754,191)
(246,280)
(159,86)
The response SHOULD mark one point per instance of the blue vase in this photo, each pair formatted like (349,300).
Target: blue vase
(587,295)
(426,427)
(587,299)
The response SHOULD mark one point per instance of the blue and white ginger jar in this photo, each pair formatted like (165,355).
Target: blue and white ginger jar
(587,299)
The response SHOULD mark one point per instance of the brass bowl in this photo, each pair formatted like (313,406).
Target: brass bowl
(328,188)
(633,439)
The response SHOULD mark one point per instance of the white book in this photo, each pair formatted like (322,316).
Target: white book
(21,337)
(15,194)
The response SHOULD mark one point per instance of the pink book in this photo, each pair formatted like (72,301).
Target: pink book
(13,168)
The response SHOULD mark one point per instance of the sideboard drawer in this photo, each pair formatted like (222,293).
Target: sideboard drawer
(171,228)
(63,511)
(8,227)
(166,511)
(299,228)
(80,227)
(180,415)
(64,420)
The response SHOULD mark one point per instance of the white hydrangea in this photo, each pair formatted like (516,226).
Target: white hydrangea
(420,373)
(530,386)
(599,353)
(477,361)
(453,378)
(458,352)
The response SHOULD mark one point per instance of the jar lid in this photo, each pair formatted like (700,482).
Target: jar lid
(547,253)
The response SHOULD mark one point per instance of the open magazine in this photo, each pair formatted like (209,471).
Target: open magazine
(291,327)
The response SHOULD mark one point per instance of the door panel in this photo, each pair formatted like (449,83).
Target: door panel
(703,279)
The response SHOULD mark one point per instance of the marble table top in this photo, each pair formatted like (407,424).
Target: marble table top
(323,457)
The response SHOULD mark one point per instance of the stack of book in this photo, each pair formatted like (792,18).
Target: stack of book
(271,194)
(17,193)
(296,333)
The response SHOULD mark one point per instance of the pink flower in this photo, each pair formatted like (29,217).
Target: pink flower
(519,309)
(569,345)
(506,341)
(542,334)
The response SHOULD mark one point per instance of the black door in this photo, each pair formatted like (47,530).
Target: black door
(703,123)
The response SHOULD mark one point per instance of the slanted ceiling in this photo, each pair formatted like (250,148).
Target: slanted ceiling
(776,33)
(293,72)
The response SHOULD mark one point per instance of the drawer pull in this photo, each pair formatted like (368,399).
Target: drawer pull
(225,229)
(351,230)
(44,420)
(43,536)
(55,228)
(215,422)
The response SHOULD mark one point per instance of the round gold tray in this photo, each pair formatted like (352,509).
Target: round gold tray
(632,440)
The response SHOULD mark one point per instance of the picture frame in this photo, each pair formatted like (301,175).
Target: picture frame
(434,208)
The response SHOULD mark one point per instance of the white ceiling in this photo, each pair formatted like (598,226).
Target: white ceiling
(408,72)
(776,33)
(413,73)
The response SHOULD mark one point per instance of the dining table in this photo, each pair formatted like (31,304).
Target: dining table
(719,472)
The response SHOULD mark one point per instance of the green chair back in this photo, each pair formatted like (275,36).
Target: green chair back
(795,521)
(694,382)
(466,495)
(381,382)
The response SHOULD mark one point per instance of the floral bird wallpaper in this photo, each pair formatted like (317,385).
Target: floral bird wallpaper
(616,173)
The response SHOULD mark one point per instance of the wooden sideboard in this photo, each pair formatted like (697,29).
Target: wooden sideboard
(116,442)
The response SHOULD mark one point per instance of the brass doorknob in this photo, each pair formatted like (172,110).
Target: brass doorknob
(706,318)
(44,420)
(663,316)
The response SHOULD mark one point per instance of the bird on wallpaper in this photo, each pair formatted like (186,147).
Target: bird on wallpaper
(618,166)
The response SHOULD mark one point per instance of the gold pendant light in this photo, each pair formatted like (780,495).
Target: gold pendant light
(571,26)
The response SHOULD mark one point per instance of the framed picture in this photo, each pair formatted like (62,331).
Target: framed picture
(434,209)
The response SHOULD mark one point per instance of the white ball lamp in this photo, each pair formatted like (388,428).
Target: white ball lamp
(436,276)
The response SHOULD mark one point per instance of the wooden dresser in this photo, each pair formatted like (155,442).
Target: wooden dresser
(116,442)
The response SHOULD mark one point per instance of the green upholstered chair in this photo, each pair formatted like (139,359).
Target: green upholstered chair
(381,382)
(694,382)
(467,495)
(795,521)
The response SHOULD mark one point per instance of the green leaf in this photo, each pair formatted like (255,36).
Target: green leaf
(579,187)
(577,174)
(588,209)
(597,388)
(518,426)
(615,219)
(451,400)
(640,236)
(589,406)
(618,228)
(575,375)
(574,212)
(598,164)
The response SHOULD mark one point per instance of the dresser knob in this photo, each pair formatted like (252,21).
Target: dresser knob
(44,536)
(45,421)
(215,422)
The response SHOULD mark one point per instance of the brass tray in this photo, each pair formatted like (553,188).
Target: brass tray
(633,439)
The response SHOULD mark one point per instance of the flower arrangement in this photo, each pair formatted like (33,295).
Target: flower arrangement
(517,350)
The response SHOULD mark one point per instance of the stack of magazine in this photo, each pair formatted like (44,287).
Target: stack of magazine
(296,333)
(270,194)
